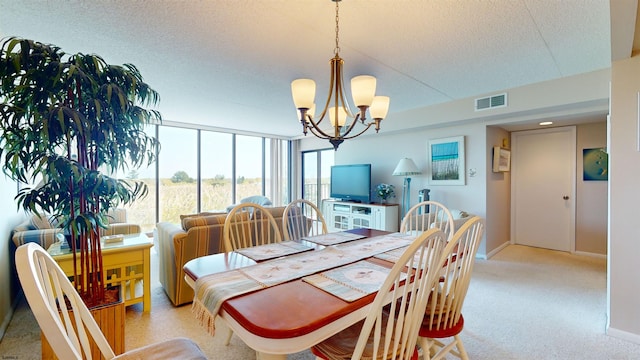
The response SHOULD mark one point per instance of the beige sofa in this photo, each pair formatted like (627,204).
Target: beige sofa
(198,235)
(41,230)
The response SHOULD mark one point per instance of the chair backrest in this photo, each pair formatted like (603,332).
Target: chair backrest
(302,218)
(400,321)
(426,215)
(248,225)
(445,305)
(67,327)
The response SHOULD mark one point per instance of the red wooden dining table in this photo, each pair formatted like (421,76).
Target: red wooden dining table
(286,318)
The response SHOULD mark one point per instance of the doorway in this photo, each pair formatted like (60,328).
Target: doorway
(543,188)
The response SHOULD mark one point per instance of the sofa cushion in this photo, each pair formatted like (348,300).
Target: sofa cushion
(184,217)
(192,221)
(41,222)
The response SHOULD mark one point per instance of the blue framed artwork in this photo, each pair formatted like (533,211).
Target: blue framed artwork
(446,161)
(595,164)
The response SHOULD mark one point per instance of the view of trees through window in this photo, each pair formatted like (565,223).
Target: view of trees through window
(197,162)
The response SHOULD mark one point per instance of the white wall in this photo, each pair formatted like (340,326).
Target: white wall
(591,196)
(624,197)
(8,283)
(576,96)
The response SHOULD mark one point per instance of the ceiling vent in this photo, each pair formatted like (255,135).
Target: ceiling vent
(491,102)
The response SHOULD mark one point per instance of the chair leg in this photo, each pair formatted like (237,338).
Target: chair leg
(463,353)
(426,347)
(228,340)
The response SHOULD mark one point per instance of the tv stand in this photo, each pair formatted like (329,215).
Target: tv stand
(347,215)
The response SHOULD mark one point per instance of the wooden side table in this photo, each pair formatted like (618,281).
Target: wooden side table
(126,263)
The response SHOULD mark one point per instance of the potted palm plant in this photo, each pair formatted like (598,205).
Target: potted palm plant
(68,121)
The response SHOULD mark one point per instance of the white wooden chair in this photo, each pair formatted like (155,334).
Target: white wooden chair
(248,225)
(69,328)
(428,214)
(391,328)
(443,317)
(302,218)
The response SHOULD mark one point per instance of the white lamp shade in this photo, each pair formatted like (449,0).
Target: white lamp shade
(406,167)
(379,107)
(303,92)
(342,116)
(363,89)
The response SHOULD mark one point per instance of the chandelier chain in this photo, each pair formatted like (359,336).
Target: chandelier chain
(336,51)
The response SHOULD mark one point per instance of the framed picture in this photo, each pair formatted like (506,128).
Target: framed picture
(595,164)
(446,161)
(501,159)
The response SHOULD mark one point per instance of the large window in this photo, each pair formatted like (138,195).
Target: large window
(316,174)
(249,166)
(202,170)
(216,165)
(178,172)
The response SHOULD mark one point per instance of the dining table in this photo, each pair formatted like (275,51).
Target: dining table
(294,315)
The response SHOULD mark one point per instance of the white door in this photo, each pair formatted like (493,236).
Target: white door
(543,188)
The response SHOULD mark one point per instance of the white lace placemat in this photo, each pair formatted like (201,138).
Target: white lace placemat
(333,238)
(272,251)
(351,282)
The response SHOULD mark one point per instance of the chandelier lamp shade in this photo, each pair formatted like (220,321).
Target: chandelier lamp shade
(406,167)
(343,121)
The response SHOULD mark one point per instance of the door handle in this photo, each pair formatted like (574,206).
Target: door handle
(566,197)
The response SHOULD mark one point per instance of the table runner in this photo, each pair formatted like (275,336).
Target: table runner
(212,290)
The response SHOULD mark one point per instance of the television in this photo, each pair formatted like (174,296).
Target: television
(351,183)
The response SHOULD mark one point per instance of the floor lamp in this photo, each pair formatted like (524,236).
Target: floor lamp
(406,167)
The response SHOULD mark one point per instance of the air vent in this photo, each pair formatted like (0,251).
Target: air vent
(491,102)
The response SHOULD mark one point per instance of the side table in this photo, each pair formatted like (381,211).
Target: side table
(126,263)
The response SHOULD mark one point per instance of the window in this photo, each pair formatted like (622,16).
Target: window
(216,170)
(249,166)
(178,169)
(316,174)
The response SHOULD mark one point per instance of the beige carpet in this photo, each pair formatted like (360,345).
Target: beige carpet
(524,303)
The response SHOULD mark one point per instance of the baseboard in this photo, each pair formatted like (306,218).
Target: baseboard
(589,254)
(624,335)
(7,319)
(496,250)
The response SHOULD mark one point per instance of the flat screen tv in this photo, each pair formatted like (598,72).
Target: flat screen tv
(351,182)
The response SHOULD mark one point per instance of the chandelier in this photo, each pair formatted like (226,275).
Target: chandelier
(343,121)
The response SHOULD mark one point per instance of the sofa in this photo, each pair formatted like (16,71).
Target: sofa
(197,235)
(43,230)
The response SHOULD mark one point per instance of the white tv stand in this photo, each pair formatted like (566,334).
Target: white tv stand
(342,215)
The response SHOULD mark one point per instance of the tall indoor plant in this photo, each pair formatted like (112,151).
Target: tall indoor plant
(64,120)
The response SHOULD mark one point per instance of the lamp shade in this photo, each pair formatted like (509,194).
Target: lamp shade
(363,88)
(303,92)
(406,167)
(379,107)
(342,116)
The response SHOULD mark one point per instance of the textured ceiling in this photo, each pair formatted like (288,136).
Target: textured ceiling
(229,63)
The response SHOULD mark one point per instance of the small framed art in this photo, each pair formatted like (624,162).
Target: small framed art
(446,161)
(501,159)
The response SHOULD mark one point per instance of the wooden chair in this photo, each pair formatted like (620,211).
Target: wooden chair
(428,214)
(302,218)
(69,329)
(248,225)
(390,330)
(443,317)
